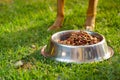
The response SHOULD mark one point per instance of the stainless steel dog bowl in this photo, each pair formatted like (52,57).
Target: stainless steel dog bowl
(78,54)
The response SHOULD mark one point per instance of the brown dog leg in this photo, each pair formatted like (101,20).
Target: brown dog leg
(91,15)
(60,16)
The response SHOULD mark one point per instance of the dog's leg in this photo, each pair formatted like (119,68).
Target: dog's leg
(60,16)
(91,15)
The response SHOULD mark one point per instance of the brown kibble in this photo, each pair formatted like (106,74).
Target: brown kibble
(79,38)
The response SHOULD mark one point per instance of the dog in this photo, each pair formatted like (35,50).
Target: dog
(90,18)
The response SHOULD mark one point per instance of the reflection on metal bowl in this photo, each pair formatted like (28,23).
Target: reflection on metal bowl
(78,54)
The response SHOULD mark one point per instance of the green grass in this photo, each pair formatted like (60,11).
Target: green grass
(24,23)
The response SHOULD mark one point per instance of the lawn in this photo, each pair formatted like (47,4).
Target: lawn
(23,32)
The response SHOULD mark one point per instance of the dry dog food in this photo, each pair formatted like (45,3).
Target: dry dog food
(79,38)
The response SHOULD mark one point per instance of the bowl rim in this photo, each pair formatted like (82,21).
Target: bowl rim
(102,41)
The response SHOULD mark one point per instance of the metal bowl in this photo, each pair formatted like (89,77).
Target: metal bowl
(78,54)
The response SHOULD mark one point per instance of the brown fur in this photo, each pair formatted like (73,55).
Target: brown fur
(90,17)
